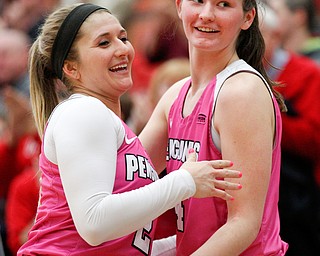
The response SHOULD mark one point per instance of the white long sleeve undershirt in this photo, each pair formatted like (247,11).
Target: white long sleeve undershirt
(82,138)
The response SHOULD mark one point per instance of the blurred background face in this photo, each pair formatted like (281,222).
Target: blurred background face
(270,29)
(13,56)
(23,14)
(285,16)
(39,4)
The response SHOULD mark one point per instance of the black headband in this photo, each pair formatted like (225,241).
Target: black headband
(67,33)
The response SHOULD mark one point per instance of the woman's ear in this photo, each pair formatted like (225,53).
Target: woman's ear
(70,68)
(249,17)
(178,7)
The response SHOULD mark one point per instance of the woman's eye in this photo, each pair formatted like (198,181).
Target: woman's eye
(224,4)
(198,1)
(104,43)
(124,39)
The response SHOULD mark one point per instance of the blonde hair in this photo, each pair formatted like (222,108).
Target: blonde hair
(168,73)
(43,81)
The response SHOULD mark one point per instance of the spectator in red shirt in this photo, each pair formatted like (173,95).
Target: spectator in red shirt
(21,207)
(299,204)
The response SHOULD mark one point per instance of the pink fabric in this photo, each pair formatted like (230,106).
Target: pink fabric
(202,217)
(54,232)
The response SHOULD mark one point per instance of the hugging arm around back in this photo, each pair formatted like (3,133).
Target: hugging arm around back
(154,136)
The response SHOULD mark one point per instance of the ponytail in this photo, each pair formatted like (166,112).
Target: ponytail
(42,88)
(251,48)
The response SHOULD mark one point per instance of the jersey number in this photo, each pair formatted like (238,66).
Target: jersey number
(142,241)
(179,209)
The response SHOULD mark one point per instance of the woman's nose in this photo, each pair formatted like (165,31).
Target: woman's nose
(207,13)
(122,48)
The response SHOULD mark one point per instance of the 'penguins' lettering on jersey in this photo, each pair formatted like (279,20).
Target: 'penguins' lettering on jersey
(178,149)
(141,166)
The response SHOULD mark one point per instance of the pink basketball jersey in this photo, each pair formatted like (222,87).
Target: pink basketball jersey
(198,219)
(54,232)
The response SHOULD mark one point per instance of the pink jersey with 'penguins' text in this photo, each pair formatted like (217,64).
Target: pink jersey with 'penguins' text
(54,232)
(198,219)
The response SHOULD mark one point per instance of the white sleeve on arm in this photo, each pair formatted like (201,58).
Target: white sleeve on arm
(164,247)
(86,138)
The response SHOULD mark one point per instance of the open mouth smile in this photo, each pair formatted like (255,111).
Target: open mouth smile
(119,68)
(207,30)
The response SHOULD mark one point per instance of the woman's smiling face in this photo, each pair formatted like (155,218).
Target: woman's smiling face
(212,24)
(105,55)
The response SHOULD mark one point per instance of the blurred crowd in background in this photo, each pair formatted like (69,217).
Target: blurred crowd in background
(292,35)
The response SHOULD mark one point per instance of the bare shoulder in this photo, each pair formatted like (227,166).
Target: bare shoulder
(245,99)
(244,87)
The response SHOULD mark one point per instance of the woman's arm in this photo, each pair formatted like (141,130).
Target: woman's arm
(244,118)
(154,136)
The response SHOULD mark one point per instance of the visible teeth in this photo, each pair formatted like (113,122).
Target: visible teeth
(119,67)
(206,29)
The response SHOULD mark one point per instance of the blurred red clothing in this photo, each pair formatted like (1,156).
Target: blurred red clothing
(14,159)
(301,123)
(7,168)
(301,79)
(142,70)
(27,150)
(21,206)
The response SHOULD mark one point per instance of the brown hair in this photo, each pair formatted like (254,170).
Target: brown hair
(251,48)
